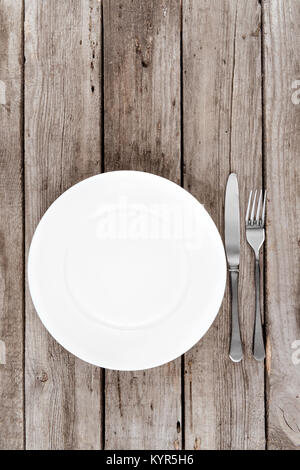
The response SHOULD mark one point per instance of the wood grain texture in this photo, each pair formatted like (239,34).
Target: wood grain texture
(282,165)
(142,132)
(11,226)
(62,146)
(221,120)
(224,402)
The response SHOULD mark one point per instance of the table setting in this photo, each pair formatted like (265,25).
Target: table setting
(149,228)
(127,269)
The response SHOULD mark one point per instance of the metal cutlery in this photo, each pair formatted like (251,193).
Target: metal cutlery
(255,234)
(232,245)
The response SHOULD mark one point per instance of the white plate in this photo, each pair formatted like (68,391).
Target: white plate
(127,270)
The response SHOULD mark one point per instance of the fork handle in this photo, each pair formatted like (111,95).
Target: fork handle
(258,340)
(236,351)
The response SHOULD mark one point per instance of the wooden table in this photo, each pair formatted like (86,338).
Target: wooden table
(189,90)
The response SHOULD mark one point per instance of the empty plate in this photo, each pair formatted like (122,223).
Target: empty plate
(127,270)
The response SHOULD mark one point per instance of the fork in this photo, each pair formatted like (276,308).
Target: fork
(255,234)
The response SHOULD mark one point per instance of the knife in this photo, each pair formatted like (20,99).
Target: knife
(232,245)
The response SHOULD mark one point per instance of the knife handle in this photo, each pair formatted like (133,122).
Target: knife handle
(236,351)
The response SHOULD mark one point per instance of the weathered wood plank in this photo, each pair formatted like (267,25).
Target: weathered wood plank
(282,143)
(224,402)
(11,226)
(62,146)
(142,132)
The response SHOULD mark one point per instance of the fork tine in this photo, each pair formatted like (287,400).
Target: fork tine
(258,207)
(248,208)
(264,209)
(253,208)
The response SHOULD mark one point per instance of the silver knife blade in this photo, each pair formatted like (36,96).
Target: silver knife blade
(232,221)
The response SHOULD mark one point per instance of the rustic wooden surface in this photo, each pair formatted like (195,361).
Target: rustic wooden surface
(282,143)
(62,146)
(142,89)
(224,401)
(188,90)
(11,226)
